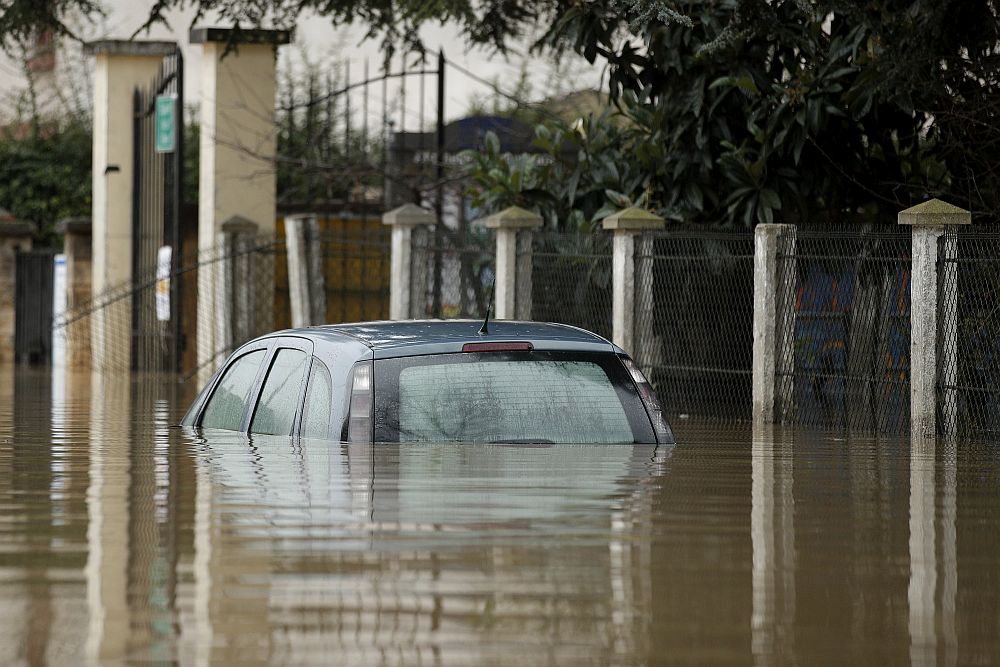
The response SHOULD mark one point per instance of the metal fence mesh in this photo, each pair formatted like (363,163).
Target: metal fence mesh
(969,332)
(571,280)
(694,317)
(458,274)
(851,341)
(254,299)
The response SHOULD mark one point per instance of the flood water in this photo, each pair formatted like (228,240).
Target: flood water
(125,541)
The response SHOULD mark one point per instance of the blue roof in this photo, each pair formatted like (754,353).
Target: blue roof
(403,338)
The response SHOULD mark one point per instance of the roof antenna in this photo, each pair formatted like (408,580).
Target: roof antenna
(485,329)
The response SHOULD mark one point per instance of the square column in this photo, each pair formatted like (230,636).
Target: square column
(774,275)
(928,222)
(77,244)
(515,229)
(411,231)
(120,67)
(632,284)
(236,153)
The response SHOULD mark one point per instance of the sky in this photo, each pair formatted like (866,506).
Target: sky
(317,41)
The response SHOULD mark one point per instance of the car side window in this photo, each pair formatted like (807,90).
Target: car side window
(225,407)
(318,403)
(279,398)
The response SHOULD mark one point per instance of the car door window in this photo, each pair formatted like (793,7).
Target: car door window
(279,398)
(225,408)
(318,403)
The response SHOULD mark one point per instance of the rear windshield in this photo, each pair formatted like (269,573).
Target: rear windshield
(536,397)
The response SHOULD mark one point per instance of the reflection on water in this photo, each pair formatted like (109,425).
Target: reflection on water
(124,540)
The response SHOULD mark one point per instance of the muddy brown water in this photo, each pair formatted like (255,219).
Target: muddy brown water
(126,541)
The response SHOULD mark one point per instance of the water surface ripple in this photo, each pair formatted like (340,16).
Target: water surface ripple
(125,540)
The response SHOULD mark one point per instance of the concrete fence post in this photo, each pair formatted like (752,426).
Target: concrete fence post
(773,322)
(515,231)
(78,250)
(235,285)
(928,222)
(408,264)
(14,237)
(632,282)
(306,285)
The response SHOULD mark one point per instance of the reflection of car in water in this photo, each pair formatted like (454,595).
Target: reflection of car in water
(463,553)
(434,381)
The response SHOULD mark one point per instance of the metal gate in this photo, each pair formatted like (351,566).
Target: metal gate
(33,307)
(158,140)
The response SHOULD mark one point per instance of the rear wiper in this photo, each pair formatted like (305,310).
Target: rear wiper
(522,441)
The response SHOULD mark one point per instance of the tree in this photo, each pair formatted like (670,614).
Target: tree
(742,111)
(45,175)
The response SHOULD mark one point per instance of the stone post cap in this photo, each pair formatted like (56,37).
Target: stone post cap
(773,228)
(633,219)
(78,225)
(409,215)
(240,36)
(237,224)
(513,217)
(129,47)
(934,212)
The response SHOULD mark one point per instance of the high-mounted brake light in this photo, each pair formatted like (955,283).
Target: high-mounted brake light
(498,347)
(359,425)
(660,426)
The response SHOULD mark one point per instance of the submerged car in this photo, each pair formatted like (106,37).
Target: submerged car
(434,381)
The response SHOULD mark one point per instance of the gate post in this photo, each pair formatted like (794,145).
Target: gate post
(927,223)
(236,154)
(515,229)
(14,237)
(120,67)
(411,233)
(632,289)
(306,286)
(773,322)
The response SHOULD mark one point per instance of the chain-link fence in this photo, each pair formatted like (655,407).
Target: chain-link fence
(694,319)
(459,272)
(969,332)
(851,343)
(247,278)
(571,280)
(349,271)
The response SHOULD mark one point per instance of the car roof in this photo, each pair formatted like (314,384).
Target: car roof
(413,337)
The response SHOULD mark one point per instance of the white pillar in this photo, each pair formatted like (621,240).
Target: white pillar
(927,222)
(632,299)
(408,262)
(236,154)
(120,67)
(512,284)
(306,287)
(773,322)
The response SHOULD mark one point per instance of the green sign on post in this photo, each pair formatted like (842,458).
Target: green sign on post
(166,106)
